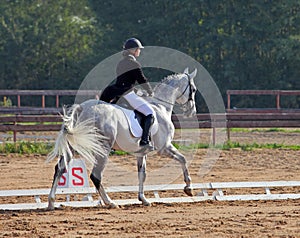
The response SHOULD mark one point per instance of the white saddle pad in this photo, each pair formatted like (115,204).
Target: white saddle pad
(134,125)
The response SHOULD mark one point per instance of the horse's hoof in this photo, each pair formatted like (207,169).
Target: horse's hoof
(188,191)
(50,208)
(111,206)
(144,201)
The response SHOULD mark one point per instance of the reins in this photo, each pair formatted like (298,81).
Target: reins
(190,93)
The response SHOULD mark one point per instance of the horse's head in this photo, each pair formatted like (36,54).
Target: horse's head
(186,93)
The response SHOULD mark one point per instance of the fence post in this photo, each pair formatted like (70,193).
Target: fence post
(43,101)
(228,134)
(278,100)
(214,136)
(15,132)
(228,100)
(57,101)
(19,100)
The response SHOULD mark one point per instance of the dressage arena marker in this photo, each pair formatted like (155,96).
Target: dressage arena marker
(208,191)
(75,177)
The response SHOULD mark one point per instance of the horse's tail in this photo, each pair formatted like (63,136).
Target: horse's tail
(82,136)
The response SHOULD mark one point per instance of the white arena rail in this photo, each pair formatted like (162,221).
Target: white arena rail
(204,191)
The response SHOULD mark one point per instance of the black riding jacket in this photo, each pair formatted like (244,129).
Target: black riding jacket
(129,72)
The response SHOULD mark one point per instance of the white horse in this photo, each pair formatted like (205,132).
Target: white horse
(93,128)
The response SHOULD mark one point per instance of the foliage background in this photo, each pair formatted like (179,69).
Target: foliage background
(243,44)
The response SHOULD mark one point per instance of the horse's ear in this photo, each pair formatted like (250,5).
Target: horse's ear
(192,75)
(186,71)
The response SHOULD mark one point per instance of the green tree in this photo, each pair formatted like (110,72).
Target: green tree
(251,45)
(45,42)
(243,44)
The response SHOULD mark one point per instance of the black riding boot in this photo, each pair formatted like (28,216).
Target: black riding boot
(148,120)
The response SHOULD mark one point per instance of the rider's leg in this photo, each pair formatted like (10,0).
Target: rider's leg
(148,120)
(142,106)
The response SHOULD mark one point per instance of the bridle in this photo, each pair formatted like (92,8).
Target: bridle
(190,98)
(189,85)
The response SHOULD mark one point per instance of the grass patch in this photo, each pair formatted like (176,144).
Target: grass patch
(265,130)
(247,147)
(42,148)
(191,146)
(231,145)
(118,152)
(25,147)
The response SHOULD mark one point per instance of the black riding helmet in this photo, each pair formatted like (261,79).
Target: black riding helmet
(132,43)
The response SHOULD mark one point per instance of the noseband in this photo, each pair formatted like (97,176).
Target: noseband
(189,85)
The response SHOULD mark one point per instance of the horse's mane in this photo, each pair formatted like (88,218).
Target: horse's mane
(170,80)
(170,77)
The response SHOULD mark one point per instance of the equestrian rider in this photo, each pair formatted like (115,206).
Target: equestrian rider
(129,71)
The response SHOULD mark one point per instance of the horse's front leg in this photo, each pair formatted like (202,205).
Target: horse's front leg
(175,154)
(141,164)
(59,170)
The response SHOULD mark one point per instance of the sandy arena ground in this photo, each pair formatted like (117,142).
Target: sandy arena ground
(202,219)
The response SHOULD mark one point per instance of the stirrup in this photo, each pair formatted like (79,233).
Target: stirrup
(146,148)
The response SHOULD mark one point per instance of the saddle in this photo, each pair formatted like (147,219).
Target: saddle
(135,119)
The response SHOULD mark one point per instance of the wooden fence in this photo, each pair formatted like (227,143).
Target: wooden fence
(93,93)
(22,122)
(276,93)
(46,93)
(17,119)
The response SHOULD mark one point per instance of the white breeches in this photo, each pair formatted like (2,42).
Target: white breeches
(139,103)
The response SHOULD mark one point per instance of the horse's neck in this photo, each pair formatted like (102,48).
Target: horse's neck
(166,96)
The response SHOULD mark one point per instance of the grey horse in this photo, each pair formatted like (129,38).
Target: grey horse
(93,128)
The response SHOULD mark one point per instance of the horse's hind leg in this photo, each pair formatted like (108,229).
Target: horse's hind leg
(175,154)
(96,177)
(59,170)
(141,164)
